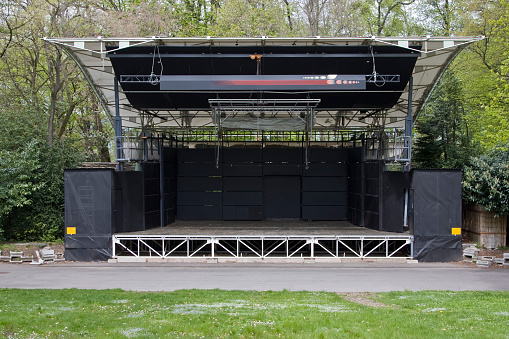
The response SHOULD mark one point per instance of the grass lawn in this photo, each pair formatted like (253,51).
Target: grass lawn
(238,314)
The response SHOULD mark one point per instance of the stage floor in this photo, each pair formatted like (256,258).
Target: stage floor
(263,228)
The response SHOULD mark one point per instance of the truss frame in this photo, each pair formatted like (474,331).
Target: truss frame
(262,246)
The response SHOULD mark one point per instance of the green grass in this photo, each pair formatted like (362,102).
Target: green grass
(237,314)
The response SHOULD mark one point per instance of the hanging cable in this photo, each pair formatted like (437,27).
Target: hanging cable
(375,74)
(154,79)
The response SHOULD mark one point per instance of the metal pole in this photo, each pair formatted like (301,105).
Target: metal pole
(117,125)
(161,180)
(407,152)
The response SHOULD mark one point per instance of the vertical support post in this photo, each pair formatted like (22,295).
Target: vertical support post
(161,180)
(117,125)
(407,152)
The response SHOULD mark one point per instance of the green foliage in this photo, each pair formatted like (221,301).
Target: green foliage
(19,180)
(486,181)
(442,133)
(31,191)
(252,18)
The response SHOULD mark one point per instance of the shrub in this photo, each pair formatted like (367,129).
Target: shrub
(486,181)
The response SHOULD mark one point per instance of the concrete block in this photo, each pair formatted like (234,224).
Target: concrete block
(486,258)
(130,259)
(498,261)
(467,245)
(470,252)
(483,263)
(506,255)
(16,257)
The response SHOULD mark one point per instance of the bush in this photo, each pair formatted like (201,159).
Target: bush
(33,191)
(486,181)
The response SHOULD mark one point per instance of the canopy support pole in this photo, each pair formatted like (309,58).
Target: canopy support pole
(117,125)
(407,151)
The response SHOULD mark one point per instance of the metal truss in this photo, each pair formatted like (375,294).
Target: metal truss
(151,79)
(380,78)
(261,247)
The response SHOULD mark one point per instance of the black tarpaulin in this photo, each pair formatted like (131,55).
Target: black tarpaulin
(394,188)
(436,217)
(129,202)
(437,248)
(89,213)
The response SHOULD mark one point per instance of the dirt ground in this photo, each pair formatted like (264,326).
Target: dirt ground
(29,249)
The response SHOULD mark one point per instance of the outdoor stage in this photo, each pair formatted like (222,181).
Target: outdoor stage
(255,240)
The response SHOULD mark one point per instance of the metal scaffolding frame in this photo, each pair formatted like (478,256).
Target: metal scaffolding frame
(261,246)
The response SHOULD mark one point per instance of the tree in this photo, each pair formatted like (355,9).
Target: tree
(483,70)
(252,18)
(388,18)
(443,140)
(441,17)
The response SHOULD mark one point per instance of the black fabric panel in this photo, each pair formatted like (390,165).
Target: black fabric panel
(371,203)
(150,170)
(372,170)
(130,203)
(355,155)
(169,154)
(324,184)
(86,254)
(355,200)
(199,184)
(170,169)
(393,200)
(243,184)
(243,198)
(243,170)
(371,220)
(283,170)
(372,186)
(151,203)
(170,215)
(199,198)
(152,219)
(170,199)
(282,197)
(324,212)
(200,212)
(89,200)
(91,241)
(152,186)
(230,212)
(196,155)
(170,185)
(327,170)
(436,202)
(355,185)
(328,155)
(355,169)
(242,212)
(325,198)
(283,155)
(437,248)
(242,155)
(355,216)
(198,170)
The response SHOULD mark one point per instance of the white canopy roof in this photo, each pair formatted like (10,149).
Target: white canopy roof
(436,53)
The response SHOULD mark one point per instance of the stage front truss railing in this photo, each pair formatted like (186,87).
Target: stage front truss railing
(261,247)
